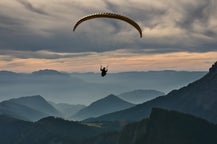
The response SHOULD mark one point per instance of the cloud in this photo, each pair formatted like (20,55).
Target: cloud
(29,6)
(8,55)
(194,13)
(168,26)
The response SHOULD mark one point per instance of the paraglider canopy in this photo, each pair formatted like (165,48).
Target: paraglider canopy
(109,15)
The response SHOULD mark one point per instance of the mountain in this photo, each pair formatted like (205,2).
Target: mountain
(140,96)
(20,111)
(9,77)
(38,103)
(198,98)
(28,108)
(48,72)
(56,130)
(105,105)
(11,129)
(169,127)
(162,127)
(67,110)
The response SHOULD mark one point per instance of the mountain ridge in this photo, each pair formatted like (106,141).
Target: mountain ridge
(140,95)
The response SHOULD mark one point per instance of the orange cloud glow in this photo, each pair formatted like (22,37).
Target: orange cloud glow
(117,61)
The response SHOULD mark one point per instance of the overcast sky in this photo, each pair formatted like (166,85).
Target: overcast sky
(177,35)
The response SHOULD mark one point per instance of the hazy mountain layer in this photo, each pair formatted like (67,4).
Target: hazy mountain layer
(140,96)
(85,88)
(38,103)
(20,111)
(67,110)
(30,108)
(198,98)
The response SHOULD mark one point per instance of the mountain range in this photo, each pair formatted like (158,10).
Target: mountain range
(85,88)
(184,116)
(198,98)
(33,108)
(109,104)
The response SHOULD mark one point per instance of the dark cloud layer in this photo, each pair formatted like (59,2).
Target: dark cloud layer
(195,13)
(159,22)
(31,7)
(37,55)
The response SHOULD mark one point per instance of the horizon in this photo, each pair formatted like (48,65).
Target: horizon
(69,72)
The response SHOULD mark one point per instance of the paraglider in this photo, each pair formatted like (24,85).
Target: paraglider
(109,15)
(104,70)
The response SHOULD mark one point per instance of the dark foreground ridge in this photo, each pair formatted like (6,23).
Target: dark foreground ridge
(163,127)
(169,127)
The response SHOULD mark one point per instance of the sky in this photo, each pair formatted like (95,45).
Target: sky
(177,35)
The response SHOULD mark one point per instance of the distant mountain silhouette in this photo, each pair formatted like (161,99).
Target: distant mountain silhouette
(9,77)
(67,110)
(8,73)
(140,96)
(198,98)
(105,105)
(28,108)
(48,72)
(169,127)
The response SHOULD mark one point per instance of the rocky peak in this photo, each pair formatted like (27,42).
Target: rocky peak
(213,69)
